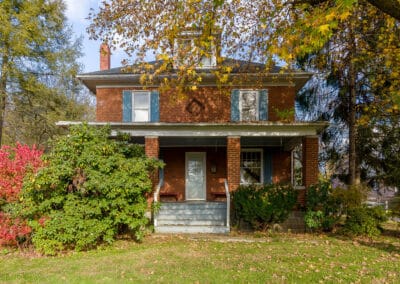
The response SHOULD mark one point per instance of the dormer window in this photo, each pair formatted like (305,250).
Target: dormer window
(191,51)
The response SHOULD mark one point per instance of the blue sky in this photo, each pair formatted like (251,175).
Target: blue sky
(77,11)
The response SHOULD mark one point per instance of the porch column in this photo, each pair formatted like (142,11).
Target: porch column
(310,164)
(152,150)
(233,162)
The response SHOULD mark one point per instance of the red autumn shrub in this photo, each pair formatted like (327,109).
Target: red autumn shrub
(15,163)
(12,230)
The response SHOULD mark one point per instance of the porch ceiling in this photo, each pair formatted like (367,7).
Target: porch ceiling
(249,142)
(198,130)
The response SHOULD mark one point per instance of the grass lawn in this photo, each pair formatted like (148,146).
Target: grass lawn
(281,258)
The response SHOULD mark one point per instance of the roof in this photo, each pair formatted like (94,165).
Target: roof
(252,71)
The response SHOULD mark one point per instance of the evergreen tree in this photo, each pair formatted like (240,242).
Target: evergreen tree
(38,67)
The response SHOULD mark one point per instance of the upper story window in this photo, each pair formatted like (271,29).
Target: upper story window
(140,106)
(249,105)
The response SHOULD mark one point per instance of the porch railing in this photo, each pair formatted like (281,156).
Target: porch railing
(156,198)
(228,204)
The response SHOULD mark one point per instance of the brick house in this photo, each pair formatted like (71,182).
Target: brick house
(211,140)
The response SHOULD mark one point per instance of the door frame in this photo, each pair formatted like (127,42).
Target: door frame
(187,155)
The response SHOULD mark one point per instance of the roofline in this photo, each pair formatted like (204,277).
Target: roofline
(235,79)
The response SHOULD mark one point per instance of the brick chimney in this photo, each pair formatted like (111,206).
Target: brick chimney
(105,55)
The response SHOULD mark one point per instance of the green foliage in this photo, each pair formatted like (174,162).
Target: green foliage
(38,65)
(325,205)
(261,206)
(364,221)
(92,189)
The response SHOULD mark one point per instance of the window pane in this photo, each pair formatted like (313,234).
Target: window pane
(140,115)
(249,105)
(141,100)
(250,167)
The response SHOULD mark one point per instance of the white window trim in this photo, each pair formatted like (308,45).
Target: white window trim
(196,57)
(142,108)
(257,102)
(262,163)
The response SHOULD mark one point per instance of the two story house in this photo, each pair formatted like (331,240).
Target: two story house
(213,139)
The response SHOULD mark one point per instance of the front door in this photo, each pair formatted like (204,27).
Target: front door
(195,176)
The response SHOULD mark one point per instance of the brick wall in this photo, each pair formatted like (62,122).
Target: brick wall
(204,105)
(109,105)
(152,150)
(208,104)
(281,98)
(233,162)
(310,165)
(174,170)
(310,160)
(281,166)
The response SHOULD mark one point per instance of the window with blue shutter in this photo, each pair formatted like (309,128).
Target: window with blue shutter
(263,105)
(249,105)
(235,113)
(126,106)
(140,106)
(154,106)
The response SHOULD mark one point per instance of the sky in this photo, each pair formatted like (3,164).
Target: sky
(77,11)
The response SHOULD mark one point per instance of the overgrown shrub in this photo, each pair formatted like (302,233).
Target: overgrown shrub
(15,163)
(364,221)
(92,189)
(325,205)
(261,206)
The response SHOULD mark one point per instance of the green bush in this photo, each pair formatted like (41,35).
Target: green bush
(92,189)
(364,221)
(261,206)
(325,205)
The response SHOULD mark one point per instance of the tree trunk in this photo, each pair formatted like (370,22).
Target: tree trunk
(353,179)
(3,93)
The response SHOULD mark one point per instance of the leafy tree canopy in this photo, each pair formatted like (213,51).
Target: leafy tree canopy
(37,71)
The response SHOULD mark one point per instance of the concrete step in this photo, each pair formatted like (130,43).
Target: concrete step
(192,229)
(192,205)
(191,216)
(163,222)
(188,211)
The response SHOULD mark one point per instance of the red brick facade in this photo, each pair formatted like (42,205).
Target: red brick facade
(109,105)
(281,167)
(174,170)
(310,165)
(310,160)
(280,99)
(105,57)
(211,104)
(205,105)
(152,150)
(233,162)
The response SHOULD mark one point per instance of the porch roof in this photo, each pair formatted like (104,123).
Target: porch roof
(242,129)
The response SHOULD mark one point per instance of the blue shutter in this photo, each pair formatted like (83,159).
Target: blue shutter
(235,112)
(263,105)
(154,107)
(126,106)
(267,163)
